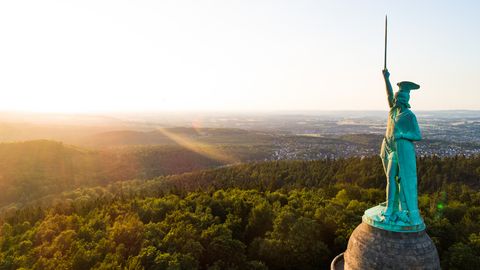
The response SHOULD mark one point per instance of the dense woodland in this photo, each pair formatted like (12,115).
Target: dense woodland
(267,215)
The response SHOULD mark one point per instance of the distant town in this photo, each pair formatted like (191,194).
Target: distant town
(258,136)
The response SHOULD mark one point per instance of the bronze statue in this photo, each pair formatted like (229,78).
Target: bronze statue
(400,211)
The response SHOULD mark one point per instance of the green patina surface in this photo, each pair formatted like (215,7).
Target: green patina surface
(400,212)
(374,217)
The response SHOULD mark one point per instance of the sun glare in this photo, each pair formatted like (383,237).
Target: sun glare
(203,149)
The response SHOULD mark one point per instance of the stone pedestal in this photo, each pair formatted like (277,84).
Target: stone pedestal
(374,248)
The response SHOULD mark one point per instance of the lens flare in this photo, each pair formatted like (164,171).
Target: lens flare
(203,149)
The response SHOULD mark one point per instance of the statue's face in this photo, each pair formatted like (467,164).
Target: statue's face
(400,104)
(401,99)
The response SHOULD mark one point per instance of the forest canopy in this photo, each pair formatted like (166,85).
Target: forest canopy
(267,215)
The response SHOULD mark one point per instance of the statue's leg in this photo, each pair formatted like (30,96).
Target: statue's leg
(409,186)
(392,186)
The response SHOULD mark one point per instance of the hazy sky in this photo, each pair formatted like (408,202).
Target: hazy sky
(88,56)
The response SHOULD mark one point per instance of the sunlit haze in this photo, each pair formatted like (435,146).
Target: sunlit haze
(101,56)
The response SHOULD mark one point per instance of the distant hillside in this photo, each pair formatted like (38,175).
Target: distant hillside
(126,137)
(32,169)
(368,140)
(35,168)
(176,135)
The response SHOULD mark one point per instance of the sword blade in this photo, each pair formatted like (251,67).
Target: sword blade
(385,56)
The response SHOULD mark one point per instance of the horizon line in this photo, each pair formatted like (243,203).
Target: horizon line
(218,111)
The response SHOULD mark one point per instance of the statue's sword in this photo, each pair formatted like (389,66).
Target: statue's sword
(385,56)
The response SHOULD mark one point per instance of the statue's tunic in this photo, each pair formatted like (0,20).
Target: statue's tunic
(402,129)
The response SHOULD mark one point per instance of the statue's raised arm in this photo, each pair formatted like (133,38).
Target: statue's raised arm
(388,86)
